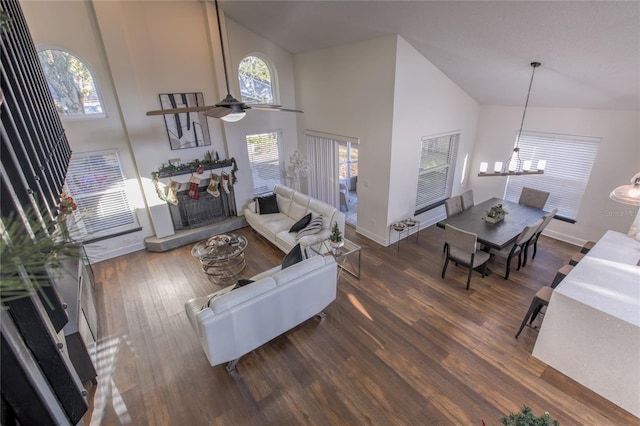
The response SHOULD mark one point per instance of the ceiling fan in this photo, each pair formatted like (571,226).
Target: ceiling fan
(229,109)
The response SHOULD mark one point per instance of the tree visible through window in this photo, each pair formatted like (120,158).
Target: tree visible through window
(348,163)
(256,85)
(71,83)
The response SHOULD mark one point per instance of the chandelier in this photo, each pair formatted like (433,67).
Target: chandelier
(514,166)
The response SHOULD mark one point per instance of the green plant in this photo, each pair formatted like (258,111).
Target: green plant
(26,257)
(496,211)
(335,236)
(525,417)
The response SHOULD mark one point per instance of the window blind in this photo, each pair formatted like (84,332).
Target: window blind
(569,163)
(265,160)
(437,164)
(96,182)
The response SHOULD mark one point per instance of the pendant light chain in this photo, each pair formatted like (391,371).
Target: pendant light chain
(506,168)
(524,113)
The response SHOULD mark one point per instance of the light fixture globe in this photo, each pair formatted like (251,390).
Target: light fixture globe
(628,194)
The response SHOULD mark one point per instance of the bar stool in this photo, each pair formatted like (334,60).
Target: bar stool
(576,258)
(562,272)
(540,300)
(587,246)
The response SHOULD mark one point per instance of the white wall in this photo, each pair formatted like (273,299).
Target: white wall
(139,50)
(242,43)
(385,93)
(348,91)
(617,161)
(426,103)
(74,30)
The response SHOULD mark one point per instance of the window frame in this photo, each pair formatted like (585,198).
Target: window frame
(450,167)
(96,83)
(84,196)
(562,171)
(349,162)
(273,80)
(280,173)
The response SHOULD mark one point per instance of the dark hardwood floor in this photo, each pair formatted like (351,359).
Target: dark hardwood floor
(399,346)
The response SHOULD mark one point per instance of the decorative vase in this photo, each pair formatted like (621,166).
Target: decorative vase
(335,245)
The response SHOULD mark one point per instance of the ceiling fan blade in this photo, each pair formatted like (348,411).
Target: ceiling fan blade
(180,110)
(274,108)
(217,112)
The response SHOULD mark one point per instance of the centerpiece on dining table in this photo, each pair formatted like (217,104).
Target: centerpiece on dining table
(495,214)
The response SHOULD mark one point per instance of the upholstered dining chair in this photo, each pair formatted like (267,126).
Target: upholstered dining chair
(453,205)
(461,248)
(533,197)
(519,247)
(467,199)
(534,240)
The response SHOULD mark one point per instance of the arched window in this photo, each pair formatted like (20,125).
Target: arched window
(71,82)
(256,81)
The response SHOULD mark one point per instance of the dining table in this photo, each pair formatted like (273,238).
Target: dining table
(495,235)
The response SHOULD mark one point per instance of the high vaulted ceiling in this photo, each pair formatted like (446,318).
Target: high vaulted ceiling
(590,50)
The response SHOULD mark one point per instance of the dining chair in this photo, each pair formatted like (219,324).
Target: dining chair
(467,199)
(461,248)
(534,240)
(533,197)
(453,205)
(519,247)
(540,300)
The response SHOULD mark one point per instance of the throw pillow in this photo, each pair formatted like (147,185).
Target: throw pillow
(268,204)
(313,227)
(241,283)
(301,224)
(293,257)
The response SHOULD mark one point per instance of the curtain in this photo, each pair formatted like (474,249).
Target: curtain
(323,176)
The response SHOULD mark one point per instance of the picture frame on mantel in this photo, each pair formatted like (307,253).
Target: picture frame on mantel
(187,129)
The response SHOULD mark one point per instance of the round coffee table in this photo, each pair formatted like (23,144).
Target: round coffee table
(221,256)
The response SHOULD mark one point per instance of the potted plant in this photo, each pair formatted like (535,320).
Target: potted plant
(336,237)
(496,213)
(525,417)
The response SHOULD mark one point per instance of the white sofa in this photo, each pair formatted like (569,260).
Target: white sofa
(235,322)
(293,206)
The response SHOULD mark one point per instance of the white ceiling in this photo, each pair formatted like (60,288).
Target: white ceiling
(590,50)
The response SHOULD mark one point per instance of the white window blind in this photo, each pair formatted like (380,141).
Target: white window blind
(96,182)
(569,162)
(265,160)
(437,164)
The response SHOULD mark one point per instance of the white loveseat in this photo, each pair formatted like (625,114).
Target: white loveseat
(293,206)
(237,321)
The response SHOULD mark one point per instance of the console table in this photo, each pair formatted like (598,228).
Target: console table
(591,330)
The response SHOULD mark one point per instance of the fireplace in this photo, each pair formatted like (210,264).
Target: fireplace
(206,210)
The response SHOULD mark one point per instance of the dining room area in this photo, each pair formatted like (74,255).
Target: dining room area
(586,319)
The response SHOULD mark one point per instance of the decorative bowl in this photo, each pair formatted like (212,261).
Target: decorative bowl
(399,226)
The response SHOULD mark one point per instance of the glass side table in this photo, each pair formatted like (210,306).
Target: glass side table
(342,254)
